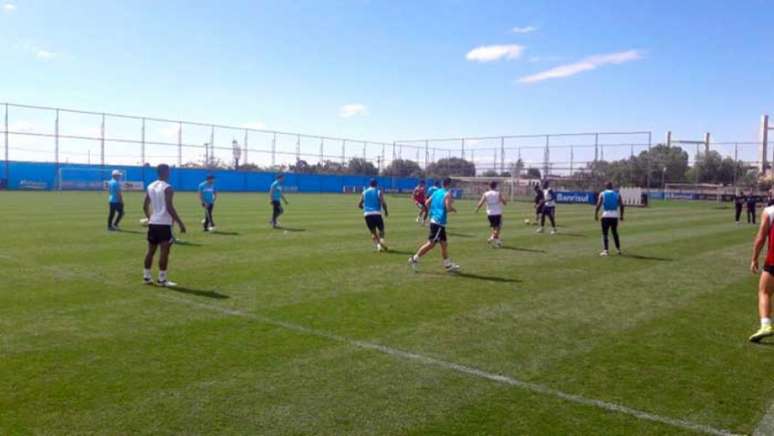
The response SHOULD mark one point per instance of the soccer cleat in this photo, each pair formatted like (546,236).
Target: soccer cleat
(539,230)
(383,245)
(762,333)
(166,284)
(604,253)
(553,231)
(147,280)
(413,263)
(498,243)
(620,253)
(451,267)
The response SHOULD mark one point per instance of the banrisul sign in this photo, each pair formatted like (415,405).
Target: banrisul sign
(575,197)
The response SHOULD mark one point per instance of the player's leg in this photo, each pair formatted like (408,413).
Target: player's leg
(165,248)
(752,213)
(749,214)
(447,263)
(206,220)
(552,217)
(120,214)
(605,232)
(432,239)
(275,212)
(542,219)
(111,215)
(210,207)
(147,278)
(738,213)
(381,233)
(614,230)
(765,287)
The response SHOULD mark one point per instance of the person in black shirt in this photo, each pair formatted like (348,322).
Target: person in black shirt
(739,201)
(538,203)
(751,200)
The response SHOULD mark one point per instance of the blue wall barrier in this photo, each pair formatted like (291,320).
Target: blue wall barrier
(576,197)
(45,176)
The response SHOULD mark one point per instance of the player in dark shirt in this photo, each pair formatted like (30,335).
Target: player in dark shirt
(751,200)
(739,201)
(538,203)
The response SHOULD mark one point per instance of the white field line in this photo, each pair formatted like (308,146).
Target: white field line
(503,379)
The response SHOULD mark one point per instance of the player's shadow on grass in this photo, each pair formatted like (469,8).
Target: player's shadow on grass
(459,235)
(218,232)
(199,292)
(402,253)
(290,229)
(572,235)
(136,232)
(477,277)
(527,250)
(643,257)
(187,243)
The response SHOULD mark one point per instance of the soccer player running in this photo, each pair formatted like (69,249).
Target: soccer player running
(494,201)
(419,196)
(207,196)
(159,198)
(372,202)
(766,283)
(547,208)
(116,200)
(538,203)
(440,205)
(610,203)
(276,197)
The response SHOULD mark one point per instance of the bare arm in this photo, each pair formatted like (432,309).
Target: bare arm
(621,206)
(449,203)
(282,195)
(360,203)
(146,206)
(760,241)
(169,193)
(384,203)
(599,206)
(480,202)
(503,200)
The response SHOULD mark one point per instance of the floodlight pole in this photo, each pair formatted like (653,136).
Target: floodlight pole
(102,142)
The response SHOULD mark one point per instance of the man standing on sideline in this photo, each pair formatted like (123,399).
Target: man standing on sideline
(547,208)
(207,196)
(766,282)
(116,200)
(276,197)
(610,203)
(440,205)
(739,201)
(372,203)
(159,198)
(494,201)
(751,200)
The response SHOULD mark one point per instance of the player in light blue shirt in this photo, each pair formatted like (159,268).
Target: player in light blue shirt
(436,186)
(439,204)
(610,203)
(207,196)
(372,202)
(116,201)
(276,197)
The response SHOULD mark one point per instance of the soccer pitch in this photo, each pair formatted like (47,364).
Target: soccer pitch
(308,330)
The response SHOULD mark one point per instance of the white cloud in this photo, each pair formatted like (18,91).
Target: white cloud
(489,53)
(587,64)
(257,125)
(45,55)
(352,109)
(525,29)
(9,7)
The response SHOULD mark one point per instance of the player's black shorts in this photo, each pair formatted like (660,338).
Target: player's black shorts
(437,233)
(495,221)
(159,234)
(277,206)
(375,222)
(538,209)
(769,268)
(117,207)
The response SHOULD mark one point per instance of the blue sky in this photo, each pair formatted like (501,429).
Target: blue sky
(385,70)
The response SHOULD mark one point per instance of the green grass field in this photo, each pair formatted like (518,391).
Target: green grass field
(310,331)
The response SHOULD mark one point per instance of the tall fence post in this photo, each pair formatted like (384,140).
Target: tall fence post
(427,153)
(102,142)
(142,149)
(343,151)
(502,154)
(322,150)
(179,144)
(247,133)
(546,158)
(462,148)
(394,156)
(647,162)
(274,150)
(572,159)
(298,148)
(56,148)
(5,135)
(381,159)
(736,161)
(211,158)
(365,152)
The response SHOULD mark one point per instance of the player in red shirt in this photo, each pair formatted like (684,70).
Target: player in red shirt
(766,283)
(419,196)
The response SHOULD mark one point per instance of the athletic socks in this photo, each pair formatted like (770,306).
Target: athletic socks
(765,322)
(162,276)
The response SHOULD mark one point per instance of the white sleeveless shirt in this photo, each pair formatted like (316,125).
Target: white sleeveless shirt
(160,215)
(493,204)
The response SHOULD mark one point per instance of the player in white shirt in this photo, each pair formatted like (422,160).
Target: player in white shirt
(159,198)
(494,201)
(548,208)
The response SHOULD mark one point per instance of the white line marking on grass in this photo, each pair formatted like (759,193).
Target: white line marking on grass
(766,426)
(503,379)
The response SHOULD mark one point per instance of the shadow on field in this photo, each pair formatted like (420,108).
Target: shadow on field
(290,229)
(642,257)
(218,232)
(402,253)
(187,243)
(136,232)
(199,292)
(527,250)
(476,277)
(572,235)
(459,235)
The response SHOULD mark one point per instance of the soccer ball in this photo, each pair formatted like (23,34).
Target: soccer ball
(144,222)
(526,221)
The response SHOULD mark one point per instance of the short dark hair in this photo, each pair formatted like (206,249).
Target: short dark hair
(210,176)
(447,181)
(546,183)
(163,169)
(421,182)
(608,185)
(493,184)
(372,183)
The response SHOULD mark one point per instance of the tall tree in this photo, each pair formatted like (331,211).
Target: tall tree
(362,167)
(452,166)
(403,168)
